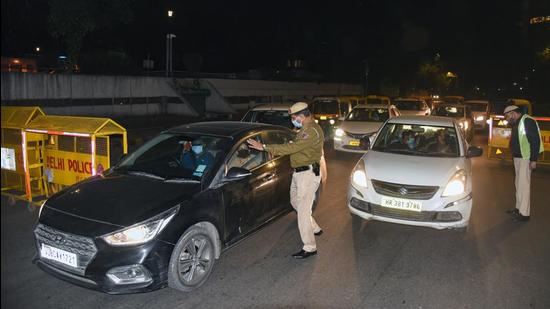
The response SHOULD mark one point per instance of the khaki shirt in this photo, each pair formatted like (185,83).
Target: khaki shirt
(306,148)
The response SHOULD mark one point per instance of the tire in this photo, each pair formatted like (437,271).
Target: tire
(192,260)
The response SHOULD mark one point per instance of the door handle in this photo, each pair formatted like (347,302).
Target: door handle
(268,177)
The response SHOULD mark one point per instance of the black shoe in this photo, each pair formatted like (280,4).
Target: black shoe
(303,254)
(512,211)
(521,218)
(318,233)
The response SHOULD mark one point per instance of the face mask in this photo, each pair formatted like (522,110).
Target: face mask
(197,149)
(410,142)
(296,123)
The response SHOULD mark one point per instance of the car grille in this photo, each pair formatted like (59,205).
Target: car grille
(83,247)
(404,191)
(425,216)
(358,136)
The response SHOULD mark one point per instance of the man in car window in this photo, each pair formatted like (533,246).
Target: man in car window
(305,153)
(198,159)
(440,144)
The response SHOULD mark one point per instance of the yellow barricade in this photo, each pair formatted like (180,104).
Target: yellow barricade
(14,182)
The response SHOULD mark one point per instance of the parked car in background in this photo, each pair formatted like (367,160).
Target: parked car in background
(270,113)
(329,111)
(411,106)
(480,112)
(354,133)
(417,172)
(462,114)
(166,212)
(453,99)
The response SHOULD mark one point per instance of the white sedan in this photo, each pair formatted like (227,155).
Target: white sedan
(418,172)
(355,132)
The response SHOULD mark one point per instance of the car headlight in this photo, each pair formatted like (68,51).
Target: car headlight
(465,125)
(316,120)
(332,121)
(359,174)
(141,232)
(480,118)
(456,185)
(339,132)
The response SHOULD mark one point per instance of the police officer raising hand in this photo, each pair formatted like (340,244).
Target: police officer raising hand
(305,153)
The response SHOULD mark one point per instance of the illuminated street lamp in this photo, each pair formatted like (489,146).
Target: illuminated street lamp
(37,49)
(170,13)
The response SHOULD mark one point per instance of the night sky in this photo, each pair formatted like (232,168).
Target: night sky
(483,41)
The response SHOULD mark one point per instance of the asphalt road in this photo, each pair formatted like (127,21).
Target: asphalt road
(496,263)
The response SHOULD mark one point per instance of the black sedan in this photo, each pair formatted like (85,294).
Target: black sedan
(164,213)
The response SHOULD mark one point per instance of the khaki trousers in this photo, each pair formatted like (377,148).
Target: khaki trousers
(302,194)
(523,186)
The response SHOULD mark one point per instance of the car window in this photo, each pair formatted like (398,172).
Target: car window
(276,137)
(368,114)
(449,111)
(408,105)
(325,106)
(171,156)
(246,157)
(276,117)
(344,108)
(418,140)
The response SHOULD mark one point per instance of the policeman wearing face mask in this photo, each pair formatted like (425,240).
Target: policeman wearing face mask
(305,153)
(197,157)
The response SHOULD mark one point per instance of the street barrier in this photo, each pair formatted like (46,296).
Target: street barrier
(19,150)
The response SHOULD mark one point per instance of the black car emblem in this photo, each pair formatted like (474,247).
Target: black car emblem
(403,191)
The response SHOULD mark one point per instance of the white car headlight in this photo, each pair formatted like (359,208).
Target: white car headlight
(480,118)
(456,185)
(316,120)
(359,174)
(141,232)
(332,121)
(339,132)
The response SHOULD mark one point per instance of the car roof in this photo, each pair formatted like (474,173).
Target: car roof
(272,107)
(372,106)
(231,129)
(424,120)
(408,99)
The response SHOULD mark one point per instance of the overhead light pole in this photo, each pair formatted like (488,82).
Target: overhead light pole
(169,45)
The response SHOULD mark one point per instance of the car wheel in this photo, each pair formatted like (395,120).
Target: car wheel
(192,260)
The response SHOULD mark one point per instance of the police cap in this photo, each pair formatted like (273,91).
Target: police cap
(297,107)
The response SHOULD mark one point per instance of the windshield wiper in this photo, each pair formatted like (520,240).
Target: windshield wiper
(145,174)
(181,180)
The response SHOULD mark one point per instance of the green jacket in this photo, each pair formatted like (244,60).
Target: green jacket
(306,148)
(524,144)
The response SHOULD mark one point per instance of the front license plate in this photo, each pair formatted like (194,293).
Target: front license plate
(354,142)
(400,203)
(58,255)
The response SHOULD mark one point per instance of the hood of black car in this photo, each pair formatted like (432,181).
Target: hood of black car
(121,199)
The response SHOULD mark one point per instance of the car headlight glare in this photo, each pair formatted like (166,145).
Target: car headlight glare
(316,120)
(332,121)
(339,132)
(456,185)
(143,232)
(359,174)
(480,118)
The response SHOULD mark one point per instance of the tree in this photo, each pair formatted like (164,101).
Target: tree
(71,21)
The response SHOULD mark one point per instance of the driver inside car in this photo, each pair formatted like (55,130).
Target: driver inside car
(198,158)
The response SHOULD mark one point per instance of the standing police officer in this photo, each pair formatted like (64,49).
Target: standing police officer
(525,145)
(305,153)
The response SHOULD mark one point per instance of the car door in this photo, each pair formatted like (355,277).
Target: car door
(246,198)
(282,170)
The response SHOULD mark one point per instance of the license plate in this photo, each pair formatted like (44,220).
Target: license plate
(400,203)
(58,255)
(354,142)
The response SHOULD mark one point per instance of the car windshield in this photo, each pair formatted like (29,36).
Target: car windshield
(172,157)
(325,107)
(478,107)
(368,114)
(408,105)
(417,140)
(276,117)
(449,111)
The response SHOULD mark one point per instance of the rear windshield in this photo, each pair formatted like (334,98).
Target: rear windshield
(280,118)
(409,105)
(478,107)
(449,111)
(368,114)
(325,107)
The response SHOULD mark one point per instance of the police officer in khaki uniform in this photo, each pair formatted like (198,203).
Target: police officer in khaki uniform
(305,153)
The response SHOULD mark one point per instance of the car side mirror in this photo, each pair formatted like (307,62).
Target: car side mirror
(474,151)
(237,173)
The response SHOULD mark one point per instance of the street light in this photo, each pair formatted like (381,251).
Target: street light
(170,13)
(169,44)
(37,49)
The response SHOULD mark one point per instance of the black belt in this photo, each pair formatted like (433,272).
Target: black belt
(306,167)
